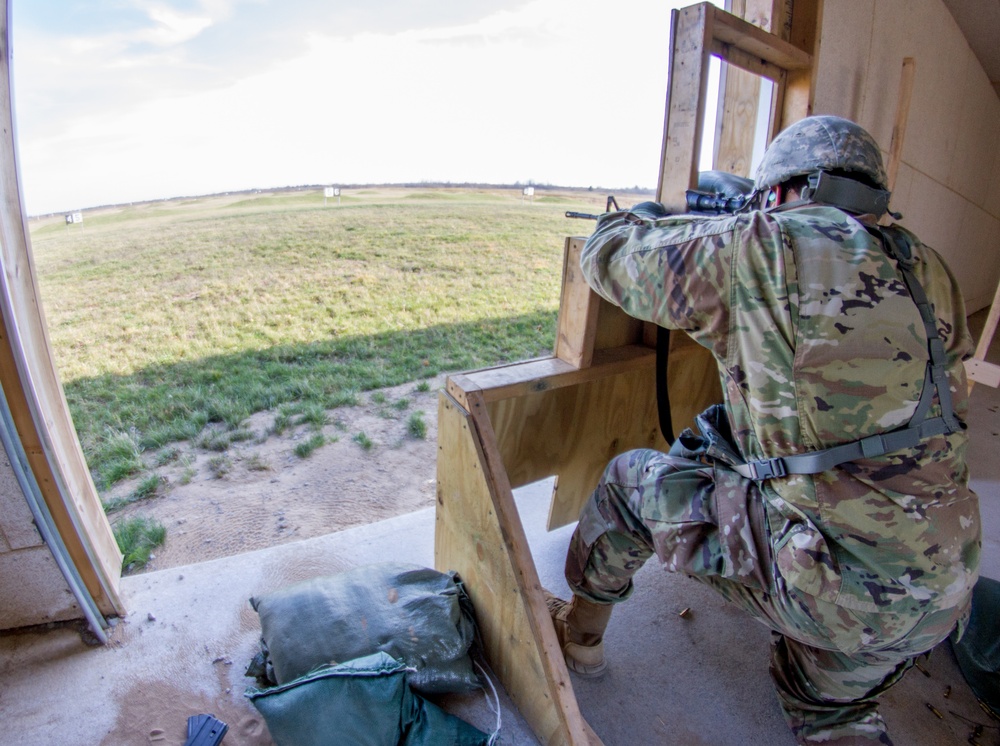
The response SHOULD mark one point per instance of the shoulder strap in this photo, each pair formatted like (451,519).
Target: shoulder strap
(920,427)
(897,245)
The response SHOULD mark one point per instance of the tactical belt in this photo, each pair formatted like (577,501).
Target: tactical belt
(920,427)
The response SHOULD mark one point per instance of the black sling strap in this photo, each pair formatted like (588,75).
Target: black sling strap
(662,390)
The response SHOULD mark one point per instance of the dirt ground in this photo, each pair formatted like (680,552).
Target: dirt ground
(271,496)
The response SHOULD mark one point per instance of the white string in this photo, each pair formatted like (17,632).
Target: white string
(495,736)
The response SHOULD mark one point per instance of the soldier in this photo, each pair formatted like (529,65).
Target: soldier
(827,495)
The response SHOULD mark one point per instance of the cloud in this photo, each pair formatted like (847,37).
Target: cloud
(550,90)
(76,58)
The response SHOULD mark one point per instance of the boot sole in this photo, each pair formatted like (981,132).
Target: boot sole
(584,670)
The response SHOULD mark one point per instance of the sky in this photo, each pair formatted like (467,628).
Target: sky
(131,100)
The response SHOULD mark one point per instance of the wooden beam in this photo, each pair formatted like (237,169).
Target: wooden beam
(756,42)
(587,322)
(687,82)
(739,96)
(977,369)
(478,534)
(899,124)
(746,61)
(980,371)
(544,374)
(572,432)
(800,85)
(576,328)
(33,389)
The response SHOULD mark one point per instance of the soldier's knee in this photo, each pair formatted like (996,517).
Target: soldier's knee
(628,468)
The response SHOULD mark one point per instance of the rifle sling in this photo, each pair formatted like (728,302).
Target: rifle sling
(662,390)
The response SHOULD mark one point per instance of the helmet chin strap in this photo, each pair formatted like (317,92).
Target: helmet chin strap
(838,191)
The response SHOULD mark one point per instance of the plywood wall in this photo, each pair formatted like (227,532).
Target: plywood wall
(948,187)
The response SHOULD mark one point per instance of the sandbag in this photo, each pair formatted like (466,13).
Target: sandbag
(365,702)
(416,615)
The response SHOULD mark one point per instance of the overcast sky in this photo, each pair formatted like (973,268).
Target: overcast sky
(129,100)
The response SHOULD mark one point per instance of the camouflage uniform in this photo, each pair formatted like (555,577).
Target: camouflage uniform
(857,569)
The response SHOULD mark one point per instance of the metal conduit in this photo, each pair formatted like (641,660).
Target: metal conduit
(43,521)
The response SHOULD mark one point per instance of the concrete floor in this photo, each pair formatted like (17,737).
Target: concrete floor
(701,679)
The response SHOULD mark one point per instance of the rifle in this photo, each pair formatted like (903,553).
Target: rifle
(589,216)
(719,192)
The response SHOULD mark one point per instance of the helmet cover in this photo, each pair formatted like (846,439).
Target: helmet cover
(820,143)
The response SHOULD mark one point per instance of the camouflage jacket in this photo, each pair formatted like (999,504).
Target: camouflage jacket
(818,343)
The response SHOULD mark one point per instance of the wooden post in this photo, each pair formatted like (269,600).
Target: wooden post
(977,369)
(687,81)
(479,535)
(899,125)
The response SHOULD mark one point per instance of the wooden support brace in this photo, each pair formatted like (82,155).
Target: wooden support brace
(906,79)
(977,369)
(479,534)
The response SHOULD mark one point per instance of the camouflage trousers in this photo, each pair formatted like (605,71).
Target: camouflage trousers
(828,663)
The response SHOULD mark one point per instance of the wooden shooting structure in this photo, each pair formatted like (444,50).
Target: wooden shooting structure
(567,415)
(58,556)
(977,369)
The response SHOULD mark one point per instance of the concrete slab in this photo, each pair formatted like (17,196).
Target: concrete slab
(185,645)
(697,679)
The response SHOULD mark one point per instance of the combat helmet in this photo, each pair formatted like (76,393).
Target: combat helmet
(821,143)
(819,146)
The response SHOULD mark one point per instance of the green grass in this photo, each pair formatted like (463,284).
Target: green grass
(167,455)
(188,473)
(137,537)
(220,440)
(167,318)
(416,426)
(256,462)
(364,441)
(148,487)
(313,415)
(220,465)
(118,456)
(305,448)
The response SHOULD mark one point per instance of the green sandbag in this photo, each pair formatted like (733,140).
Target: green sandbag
(365,702)
(414,614)
(978,650)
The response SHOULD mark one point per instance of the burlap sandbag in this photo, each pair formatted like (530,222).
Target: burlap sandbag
(414,614)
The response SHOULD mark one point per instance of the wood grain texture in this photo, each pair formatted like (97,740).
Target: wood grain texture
(578,306)
(478,533)
(33,389)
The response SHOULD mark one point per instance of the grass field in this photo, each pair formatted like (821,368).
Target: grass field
(165,317)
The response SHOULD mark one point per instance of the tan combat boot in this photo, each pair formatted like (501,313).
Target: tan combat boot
(580,626)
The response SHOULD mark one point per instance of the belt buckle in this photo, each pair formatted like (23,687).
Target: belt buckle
(768,469)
